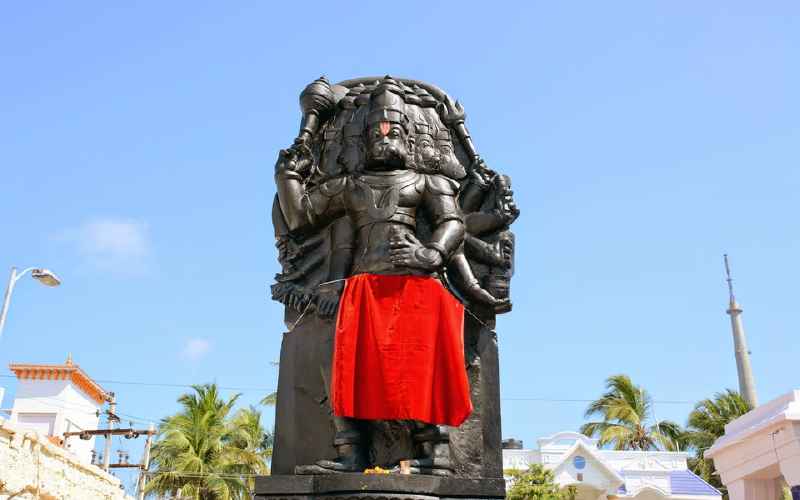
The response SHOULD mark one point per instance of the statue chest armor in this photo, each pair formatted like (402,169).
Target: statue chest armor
(384,198)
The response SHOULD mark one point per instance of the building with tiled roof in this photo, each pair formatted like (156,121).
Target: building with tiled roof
(575,460)
(54,399)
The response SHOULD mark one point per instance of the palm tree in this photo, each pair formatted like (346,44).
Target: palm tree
(269,399)
(248,434)
(706,424)
(625,409)
(202,451)
(272,398)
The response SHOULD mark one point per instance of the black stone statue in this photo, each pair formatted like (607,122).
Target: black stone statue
(383,188)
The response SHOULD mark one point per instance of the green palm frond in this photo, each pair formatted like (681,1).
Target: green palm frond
(207,449)
(706,424)
(625,409)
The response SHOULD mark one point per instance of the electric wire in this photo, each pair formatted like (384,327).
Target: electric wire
(163,384)
(166,426)
(188,474)
(545,400)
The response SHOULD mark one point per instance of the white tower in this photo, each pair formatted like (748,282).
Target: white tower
(747,387)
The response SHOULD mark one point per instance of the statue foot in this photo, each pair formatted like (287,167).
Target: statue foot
(342,465)
(302,470)
(437,472)
(433,463)
(429,466)
(335,466)
(350,454)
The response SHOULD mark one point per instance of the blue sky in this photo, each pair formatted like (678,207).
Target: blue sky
(644,140)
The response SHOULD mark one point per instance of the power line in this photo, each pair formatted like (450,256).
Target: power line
(260,389)
(556,400)
(163,384)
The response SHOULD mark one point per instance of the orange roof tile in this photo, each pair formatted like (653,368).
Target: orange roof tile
(55,440)
(61,372)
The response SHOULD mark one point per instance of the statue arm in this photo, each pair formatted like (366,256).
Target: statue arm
(485,222)
(306,210)
(463,278)
(498,254)
(446,220)
(480,180)
(440,206)
(326,296)
(505,211)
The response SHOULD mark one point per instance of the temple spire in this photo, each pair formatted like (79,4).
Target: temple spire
(747,387)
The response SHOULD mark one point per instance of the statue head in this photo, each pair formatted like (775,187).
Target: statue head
(354,149)
(349,100)
(426,158)
(449,164)
(386,127)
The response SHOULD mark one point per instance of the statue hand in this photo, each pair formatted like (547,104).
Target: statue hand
(504,250)
(293,275)
(504,203)
(287,161)
(303,146)
(326,298)
(480,174)
(295,159)
(288,249)
(291,295)
(407,251)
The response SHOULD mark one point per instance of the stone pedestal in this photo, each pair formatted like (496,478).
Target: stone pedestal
(303,430)
(376,486)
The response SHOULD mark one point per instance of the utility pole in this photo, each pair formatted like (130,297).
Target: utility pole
(111,418)
(747,387)
(145,462)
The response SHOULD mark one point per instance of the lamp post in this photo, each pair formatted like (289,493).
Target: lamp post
(44,277)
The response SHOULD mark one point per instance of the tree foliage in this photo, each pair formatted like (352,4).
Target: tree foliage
(208,450)
(625,409)
(706,424)
(536,483)
(272,398)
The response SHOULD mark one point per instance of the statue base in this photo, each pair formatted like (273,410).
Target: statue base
(377,486)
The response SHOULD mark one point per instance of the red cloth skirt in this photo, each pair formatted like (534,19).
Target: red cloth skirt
(399,351)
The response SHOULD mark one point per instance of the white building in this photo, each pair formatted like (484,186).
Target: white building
(760,451)
(54,399)
(598,474)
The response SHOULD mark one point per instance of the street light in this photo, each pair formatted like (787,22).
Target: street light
(43,276)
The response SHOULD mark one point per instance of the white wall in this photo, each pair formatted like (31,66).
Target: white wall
(32,467)
(69,408)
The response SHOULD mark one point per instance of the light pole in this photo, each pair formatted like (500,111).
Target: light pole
(42,276)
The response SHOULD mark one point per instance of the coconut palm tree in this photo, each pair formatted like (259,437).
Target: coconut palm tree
(248,434)
(706,424)
(272,398)
(202,451)
(625,409)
